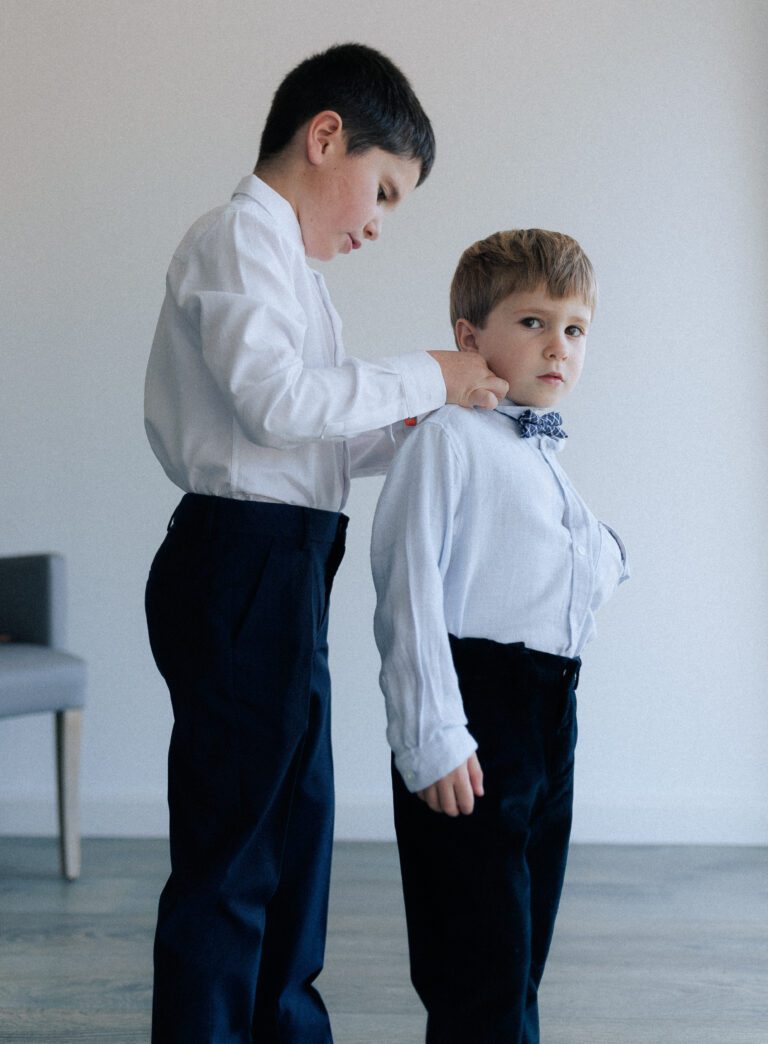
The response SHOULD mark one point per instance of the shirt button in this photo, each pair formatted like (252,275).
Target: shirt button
(581,550)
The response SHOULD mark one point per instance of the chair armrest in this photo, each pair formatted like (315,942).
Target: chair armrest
(33,599)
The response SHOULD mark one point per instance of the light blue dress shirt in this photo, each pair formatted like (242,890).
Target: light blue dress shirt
(478,533)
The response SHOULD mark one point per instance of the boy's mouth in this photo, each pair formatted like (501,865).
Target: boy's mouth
(552,378)
(356,244)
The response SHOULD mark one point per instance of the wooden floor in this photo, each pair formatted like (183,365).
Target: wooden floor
(654,946)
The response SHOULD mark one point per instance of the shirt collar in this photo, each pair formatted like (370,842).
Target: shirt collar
(277,206)
(511,409)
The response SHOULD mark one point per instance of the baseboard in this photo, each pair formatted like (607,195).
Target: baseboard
(116,817)
(371,820)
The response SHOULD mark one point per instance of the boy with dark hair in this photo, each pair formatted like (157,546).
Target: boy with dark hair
(253,410)
(489,569)
(380,109)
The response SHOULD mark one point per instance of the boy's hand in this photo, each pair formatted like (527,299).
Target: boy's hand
(468,381)
(456,792)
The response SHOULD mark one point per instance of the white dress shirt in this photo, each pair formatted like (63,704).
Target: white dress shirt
(248,392)
(478,533)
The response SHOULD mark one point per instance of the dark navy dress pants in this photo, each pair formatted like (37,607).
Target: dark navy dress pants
(237,609)
(482,891)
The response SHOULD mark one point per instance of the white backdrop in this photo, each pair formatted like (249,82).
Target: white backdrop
(637,126)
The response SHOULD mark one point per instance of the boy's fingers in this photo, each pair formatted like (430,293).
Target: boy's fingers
(430,797)
(447,798)
(465,796)
(488,396)
(475,775)
(468,381)
(455,794)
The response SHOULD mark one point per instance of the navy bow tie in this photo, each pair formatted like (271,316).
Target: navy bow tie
(531,424)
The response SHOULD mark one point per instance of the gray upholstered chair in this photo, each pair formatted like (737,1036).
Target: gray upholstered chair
(37,676)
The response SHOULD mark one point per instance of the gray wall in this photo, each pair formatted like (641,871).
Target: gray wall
(638,127)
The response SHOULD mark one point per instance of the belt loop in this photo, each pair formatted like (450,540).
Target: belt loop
(176,510)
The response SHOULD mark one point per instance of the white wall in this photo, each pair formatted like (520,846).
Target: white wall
(638,127)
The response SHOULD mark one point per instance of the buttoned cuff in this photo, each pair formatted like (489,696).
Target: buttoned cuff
(423,382)
(448,748)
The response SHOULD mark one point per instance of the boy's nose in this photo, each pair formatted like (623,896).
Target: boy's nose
(558,346)
(372,229)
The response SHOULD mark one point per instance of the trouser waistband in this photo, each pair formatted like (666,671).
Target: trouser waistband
(469,653)
(207,515)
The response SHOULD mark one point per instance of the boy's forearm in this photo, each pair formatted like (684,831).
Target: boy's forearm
(280,402)
(287,383)
(412,529)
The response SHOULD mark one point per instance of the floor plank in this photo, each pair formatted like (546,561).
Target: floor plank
(654,945)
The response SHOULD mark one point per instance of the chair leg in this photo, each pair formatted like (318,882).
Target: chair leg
(68,731)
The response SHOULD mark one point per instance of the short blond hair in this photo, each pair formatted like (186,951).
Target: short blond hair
(519,259)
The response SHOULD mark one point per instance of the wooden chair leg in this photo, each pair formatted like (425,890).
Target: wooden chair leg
(68,732)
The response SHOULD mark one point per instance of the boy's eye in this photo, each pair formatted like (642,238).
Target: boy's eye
(382,197)
(574,331)
(531,322)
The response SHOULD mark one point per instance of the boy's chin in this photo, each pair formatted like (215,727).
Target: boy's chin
(538,402)
(320,254)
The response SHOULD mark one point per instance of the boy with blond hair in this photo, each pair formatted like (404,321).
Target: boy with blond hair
(489,569)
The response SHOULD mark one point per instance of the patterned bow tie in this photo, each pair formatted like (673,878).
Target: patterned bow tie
(531,424)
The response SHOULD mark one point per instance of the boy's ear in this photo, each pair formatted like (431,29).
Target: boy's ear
(324,136)
(466,337)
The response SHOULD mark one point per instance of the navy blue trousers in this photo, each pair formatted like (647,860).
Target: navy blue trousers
(237,610)
(482,891)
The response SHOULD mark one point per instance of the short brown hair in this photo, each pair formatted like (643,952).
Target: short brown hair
(520,259)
